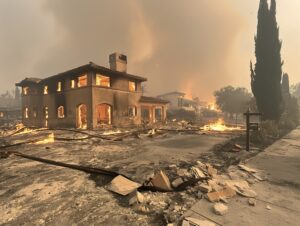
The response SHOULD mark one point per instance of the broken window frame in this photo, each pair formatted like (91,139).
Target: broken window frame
(82,81)
(100,77)
(132,111)
(59,86)
(25,90)
(61,112)
(46,90)
(132,86)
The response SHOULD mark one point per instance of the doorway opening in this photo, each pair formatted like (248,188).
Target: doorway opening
(81,117)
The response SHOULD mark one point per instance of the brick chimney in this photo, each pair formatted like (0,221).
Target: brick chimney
(118,62)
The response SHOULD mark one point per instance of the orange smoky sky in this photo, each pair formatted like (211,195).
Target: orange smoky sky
(195,46)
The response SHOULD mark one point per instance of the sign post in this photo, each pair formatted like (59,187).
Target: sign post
(250,126)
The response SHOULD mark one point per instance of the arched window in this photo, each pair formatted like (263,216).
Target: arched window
(60,112)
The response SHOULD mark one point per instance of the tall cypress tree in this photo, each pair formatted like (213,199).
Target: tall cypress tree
(266,77)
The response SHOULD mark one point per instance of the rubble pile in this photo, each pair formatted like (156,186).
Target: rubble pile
(170,198)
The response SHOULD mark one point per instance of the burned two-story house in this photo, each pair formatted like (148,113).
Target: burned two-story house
(90,96)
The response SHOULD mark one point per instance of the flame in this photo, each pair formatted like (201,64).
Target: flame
(25,131)
(111,132)
(49,139)
(219,126)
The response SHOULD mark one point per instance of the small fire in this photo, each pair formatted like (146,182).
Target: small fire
(25,131)
(219,126)
(49,139)
(111,132)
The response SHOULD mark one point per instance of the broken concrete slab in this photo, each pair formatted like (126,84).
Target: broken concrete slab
(136,197)
(247,169)
(205,188)
(185,223)
(201,165)
(214,185)
(238,146)
(241,187)
(198,174)
(183,172)
(227,192)
(211,171)
(197,222)
(220,209)
(249,193)
(161,181)
(122,185)
(177,182)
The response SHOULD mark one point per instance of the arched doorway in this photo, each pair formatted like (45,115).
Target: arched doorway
(81,116)
(104,114)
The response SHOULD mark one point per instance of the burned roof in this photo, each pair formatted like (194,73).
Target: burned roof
(171,93)
(155,100)
(82,69)
(29,81)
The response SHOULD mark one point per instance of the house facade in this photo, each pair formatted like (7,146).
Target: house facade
(90,96)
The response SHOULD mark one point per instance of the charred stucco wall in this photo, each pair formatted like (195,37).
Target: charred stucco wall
(69,98)
(120,99)
(32,101)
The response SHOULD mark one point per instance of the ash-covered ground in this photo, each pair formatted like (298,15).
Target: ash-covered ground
(35,193)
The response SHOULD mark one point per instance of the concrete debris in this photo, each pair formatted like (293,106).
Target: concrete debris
(247,169)
(216,196)
(177,182)
(249,193)
(185,223)
(220,209)
(197,173)
(122,186)
(241,187)
(238,146)
(183,173)
(214,185)
(201,165)
(144,209)
(137,197)
(197,222)
(161,181)
(237,184)
(172,167)
(256,176)
(252,201)
(211,171)
(205,188)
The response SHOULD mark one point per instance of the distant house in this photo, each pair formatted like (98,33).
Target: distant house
(90,96)
(178,101)
(10,107)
